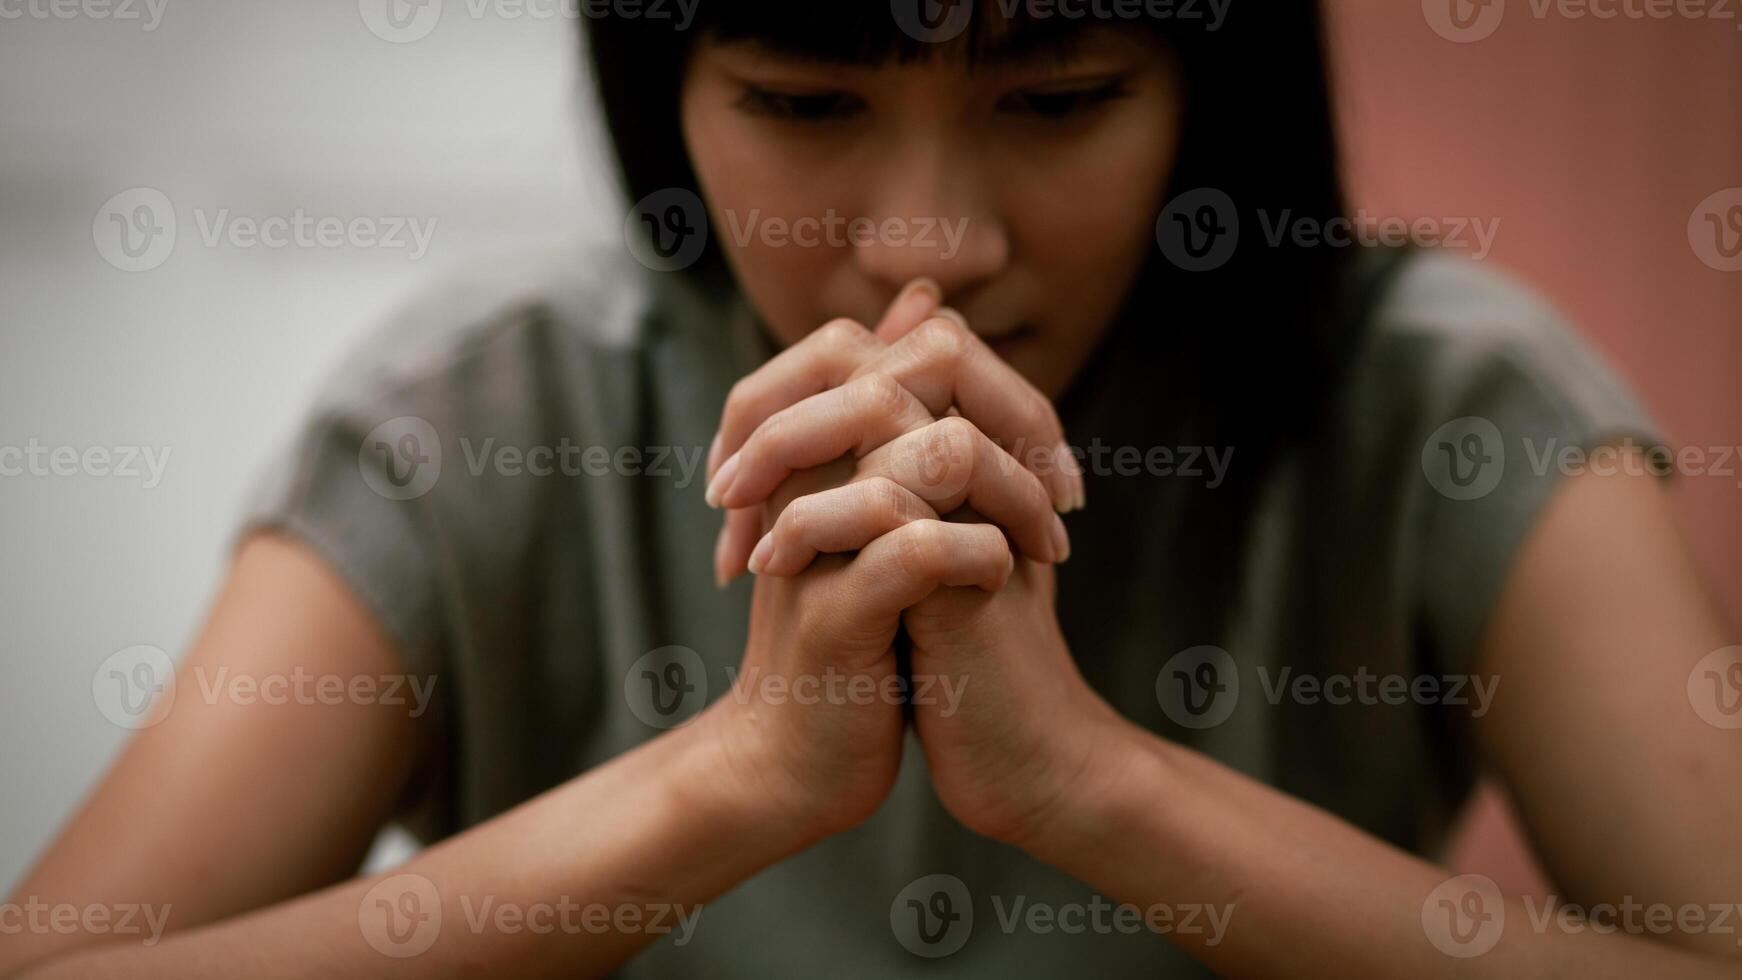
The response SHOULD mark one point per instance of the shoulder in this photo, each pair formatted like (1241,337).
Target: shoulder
(511,323)
(1454,336)
(396,473)
(1461,408)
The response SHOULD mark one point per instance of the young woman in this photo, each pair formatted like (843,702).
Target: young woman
(1313,582)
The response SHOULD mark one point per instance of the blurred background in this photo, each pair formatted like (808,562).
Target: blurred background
(1597,145)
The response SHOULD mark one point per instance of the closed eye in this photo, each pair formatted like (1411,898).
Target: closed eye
(1064,102)
(798,106)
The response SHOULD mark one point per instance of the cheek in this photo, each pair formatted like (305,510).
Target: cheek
(1090,219)
(755,207)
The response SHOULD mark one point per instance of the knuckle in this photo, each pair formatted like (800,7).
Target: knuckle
(885,499)
(842,332)
(959,437)
(878,394)
(945,457)
(767,433)
(921,548)
(957,431)
(943,340)
(794,522)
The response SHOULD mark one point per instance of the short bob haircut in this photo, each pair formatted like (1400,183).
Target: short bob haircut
(1244,356)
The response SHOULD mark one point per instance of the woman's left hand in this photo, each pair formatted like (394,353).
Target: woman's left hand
(1014,736)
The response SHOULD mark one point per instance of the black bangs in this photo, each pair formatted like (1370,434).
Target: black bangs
(870,33)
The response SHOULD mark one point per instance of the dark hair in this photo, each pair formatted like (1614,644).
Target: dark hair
(1244,355)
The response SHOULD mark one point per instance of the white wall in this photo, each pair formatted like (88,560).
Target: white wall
(262,108)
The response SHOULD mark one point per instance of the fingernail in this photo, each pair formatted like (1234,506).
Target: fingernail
(1066,463)
(1010,566)
(1064,495)
(764,551)
(922,286)
(722,480)
(714,451)
(952,313)
(1061,540)
(720,578)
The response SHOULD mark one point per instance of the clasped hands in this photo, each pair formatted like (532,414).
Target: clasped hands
(904,476)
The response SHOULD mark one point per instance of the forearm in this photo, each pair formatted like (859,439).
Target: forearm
(1299,891)
(573,882)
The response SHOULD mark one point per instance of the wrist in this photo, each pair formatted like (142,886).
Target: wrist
(734,777)
(1111,801)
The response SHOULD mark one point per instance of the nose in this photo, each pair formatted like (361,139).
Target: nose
(929,214)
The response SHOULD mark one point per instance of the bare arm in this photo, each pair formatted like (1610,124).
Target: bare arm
(1631,796)
(223,813)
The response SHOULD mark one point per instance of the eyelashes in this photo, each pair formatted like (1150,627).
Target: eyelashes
(1044,104)
(798,106)
(1065,103)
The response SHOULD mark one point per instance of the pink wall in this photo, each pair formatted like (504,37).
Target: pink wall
(1593,142)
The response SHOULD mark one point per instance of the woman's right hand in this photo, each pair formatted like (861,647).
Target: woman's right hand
(812,726)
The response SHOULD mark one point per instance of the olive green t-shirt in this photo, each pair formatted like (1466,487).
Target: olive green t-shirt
(511,478)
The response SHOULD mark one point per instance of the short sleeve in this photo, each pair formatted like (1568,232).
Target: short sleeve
(1512,401)
(350,485)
